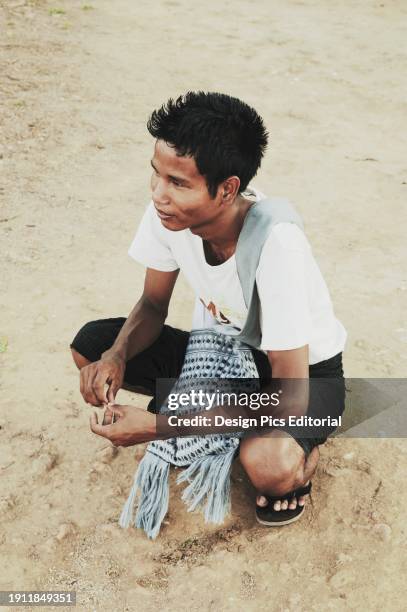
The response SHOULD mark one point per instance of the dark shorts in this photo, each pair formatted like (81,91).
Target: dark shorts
(165,357)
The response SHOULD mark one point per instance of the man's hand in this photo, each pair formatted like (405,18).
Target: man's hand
(125,425)
(94,377)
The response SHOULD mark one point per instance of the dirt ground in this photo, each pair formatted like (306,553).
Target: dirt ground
(77,83)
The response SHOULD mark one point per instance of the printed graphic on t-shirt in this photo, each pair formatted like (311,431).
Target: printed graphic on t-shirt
(215,312)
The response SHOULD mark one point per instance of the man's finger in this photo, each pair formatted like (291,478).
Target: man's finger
(100,430)
(84,382)
(90,396)
(110,416)
(99,389)
(111,393)
(118,409)
(88,378)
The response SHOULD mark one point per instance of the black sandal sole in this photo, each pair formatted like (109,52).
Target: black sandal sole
(283,521)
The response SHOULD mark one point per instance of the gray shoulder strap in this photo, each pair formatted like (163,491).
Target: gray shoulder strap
(260,219)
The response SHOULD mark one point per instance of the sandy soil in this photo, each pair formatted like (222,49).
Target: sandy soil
(77,84)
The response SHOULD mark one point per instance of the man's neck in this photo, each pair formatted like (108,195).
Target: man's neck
(223,233)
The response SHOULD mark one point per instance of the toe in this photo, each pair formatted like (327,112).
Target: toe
(277,505)
(284,505)
(293,504)
(261,501)
(303,498)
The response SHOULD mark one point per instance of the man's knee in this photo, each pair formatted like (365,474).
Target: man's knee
(274,465)
(80,360)
(84,341)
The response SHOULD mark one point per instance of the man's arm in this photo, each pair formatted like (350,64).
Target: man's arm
(146,320)
(289,364)
(141,329)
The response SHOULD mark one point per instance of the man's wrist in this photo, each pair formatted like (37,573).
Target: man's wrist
(153,429)
(163,429)
(115,354)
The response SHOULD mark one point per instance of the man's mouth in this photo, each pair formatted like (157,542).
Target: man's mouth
(163,215)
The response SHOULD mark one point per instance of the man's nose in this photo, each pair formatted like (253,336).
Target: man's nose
(159,192)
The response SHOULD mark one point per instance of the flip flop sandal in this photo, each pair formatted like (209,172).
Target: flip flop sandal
(274,518)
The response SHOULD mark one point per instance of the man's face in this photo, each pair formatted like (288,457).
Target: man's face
(179,191)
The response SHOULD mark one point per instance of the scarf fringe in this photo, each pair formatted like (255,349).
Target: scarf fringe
(151,480)
(209,487)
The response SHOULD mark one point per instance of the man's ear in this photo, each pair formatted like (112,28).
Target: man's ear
(229,189)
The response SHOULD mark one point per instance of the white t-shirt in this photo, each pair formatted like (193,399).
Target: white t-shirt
(295,306)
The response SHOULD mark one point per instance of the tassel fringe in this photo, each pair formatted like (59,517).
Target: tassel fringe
(209,487)
(151,481)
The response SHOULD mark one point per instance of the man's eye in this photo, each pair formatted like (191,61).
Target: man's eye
(177,183)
